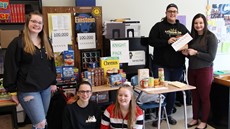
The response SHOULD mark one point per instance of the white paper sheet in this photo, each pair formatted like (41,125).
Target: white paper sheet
(181,42)
(120,48)
(86,40)
(136,58)
(60,40)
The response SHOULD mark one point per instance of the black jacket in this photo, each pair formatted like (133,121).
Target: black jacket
(25,72)
(163,54)
(56,108)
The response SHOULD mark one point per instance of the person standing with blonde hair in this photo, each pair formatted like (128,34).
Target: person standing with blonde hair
(29,69)
(125,113)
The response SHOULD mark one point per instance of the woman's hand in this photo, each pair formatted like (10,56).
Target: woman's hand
(15,99)
(192,52)
(185,52)
(53,88)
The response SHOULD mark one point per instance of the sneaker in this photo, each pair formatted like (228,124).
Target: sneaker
(155,123)
(172,121)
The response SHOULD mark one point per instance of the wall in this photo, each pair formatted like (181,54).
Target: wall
(149,12)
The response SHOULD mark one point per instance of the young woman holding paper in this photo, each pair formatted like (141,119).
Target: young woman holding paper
(201,53)
(162,35)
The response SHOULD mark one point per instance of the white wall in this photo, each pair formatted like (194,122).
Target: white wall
(58,2)
(148,12)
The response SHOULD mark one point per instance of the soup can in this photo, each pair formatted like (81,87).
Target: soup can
(151,82)
(144,83)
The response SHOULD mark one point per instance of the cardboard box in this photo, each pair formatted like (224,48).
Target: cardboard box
(6,36)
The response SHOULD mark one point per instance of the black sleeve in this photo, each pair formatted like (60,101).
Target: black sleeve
(155,39)
(98,116)
(66,123)
(11,64)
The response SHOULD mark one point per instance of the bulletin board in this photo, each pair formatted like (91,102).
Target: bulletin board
(97,13)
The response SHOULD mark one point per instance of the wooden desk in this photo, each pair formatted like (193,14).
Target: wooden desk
(225,81)
(168,90)
(9,106)
(103,88)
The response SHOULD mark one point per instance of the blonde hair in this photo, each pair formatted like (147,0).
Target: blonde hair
(27,42)
(132,107)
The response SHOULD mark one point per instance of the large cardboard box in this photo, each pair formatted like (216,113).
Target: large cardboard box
(6,36)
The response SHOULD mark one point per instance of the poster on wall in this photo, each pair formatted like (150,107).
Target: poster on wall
(120,48)
(85,29)
(60,31)
(136,58)
(218,15)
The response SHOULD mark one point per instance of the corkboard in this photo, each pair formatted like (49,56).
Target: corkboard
(98,17)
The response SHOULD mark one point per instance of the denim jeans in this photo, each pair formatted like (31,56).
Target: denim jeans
(170,74)
(35,104)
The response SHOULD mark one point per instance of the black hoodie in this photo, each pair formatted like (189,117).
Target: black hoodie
(164,55)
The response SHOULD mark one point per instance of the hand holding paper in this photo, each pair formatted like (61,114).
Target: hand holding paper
(180,44)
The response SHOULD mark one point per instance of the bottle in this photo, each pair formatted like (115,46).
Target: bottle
(161,75)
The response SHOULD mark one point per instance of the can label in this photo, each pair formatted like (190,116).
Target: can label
(161,74)
(151,82)
(144,83)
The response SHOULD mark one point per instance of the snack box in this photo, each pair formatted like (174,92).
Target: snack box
(68,57)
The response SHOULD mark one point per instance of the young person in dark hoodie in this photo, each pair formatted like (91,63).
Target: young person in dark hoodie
(83,113)
(162,35)
(29,69)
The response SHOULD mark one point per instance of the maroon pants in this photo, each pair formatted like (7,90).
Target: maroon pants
(202,80)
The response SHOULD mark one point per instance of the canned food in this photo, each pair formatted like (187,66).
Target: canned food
(144,83)
(151,82)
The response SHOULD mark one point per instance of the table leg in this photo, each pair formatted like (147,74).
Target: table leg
(185,111)
(14,118)
(159,113)
(229,109)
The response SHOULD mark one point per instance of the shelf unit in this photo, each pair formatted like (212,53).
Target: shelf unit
(30,5)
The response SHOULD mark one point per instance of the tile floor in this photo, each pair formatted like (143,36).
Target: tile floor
(178,116)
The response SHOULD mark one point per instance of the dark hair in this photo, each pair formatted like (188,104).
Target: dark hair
(194,33)
(171,5)
(81,83)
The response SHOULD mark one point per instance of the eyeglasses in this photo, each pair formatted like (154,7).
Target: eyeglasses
(170,11)
(38,22)
(84,91)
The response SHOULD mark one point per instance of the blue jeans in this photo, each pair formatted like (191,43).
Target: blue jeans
(170,74)
(35,104)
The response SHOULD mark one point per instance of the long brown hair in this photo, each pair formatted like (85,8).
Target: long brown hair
(132,107)
(194,33)
(27,42)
